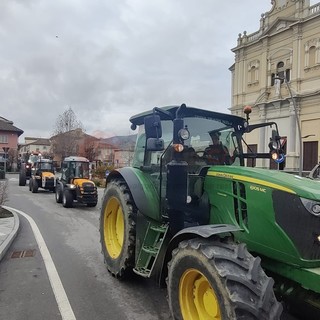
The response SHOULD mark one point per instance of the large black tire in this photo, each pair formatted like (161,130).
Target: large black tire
(91,204)
(118,229)
(67,198)
(30,185)
(34,186)
(22,178)
(216,280)
(58,195)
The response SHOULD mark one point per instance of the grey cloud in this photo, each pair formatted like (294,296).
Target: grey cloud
(111,59)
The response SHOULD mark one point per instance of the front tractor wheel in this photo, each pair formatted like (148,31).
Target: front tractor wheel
(215,280)
(34,186)
(67,199)
(117,228)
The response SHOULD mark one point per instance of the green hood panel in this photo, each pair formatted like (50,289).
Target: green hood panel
(303,187)
(266,205)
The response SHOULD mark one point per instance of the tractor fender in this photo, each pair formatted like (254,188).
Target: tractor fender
(143,192)
(67,186)
(204,231)
(60,184)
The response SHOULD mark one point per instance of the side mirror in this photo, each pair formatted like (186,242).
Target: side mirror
(152,126)
(153,130)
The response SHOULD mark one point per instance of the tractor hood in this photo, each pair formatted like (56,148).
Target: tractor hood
(303,187)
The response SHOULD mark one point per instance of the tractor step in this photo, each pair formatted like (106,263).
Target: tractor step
(150,249)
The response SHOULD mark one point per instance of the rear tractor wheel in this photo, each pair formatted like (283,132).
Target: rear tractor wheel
(58,194)
(91,205)
(22,178)
(214,280)
(117,229)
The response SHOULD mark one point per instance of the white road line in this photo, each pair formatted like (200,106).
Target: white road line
(56,284)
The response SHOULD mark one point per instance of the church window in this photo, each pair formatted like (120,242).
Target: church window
(312,56)
(253,72)
(281,72)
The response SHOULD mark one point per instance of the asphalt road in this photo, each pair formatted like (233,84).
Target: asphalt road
(85,290)
(72,238)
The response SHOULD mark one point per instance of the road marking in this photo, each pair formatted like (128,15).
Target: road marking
(56,284)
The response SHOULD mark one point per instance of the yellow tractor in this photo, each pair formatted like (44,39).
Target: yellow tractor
(42,176)
(74,183)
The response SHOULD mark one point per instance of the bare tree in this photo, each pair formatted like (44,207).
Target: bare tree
(90,150)
(3,192)
(12,158)
(67,132)
(4,213)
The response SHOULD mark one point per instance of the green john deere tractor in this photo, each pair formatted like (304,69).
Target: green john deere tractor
(229,241)
(42,175)
(74,184)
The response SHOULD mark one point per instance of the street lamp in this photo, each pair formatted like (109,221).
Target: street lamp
(5,149)
(297,120)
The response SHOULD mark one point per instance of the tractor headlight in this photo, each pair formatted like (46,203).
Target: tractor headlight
(316,209)
(277,157)
(312,206)
(71,186)
(184,134)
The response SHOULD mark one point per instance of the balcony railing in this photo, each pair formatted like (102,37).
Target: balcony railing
(314,9)
(247,38)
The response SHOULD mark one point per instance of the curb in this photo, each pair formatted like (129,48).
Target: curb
(4,246)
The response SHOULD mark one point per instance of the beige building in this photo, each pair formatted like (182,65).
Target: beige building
(277,72)
(35,145)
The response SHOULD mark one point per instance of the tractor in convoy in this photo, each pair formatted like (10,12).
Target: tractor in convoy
(74,183)
(229,241)
(26,168)
(42,176)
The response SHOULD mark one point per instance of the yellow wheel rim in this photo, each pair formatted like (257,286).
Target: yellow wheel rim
(198,300)
(113,227)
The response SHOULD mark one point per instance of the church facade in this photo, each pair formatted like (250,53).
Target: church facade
(277,72)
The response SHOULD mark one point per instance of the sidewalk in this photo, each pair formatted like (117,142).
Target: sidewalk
(8,230)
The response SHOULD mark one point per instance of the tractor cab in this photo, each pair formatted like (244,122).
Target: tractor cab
(75,168)
(176,146)
(33,158)
(43,165)
(74,185)
(31,162)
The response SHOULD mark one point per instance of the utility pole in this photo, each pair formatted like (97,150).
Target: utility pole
(297,121)
(5,149)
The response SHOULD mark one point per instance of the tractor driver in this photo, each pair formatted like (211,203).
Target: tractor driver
(217,153)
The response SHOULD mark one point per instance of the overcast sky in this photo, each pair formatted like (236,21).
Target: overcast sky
(110,59)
